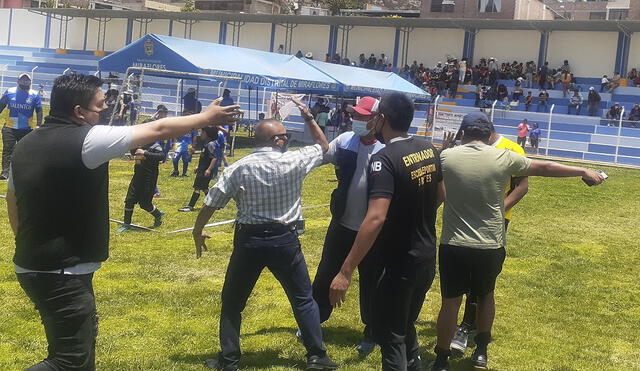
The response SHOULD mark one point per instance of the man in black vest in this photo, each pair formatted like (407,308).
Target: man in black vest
(350,152)
(58,207)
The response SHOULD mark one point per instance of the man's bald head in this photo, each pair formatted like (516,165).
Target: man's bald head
(266,129)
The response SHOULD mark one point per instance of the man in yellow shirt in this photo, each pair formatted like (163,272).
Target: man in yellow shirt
(516,190)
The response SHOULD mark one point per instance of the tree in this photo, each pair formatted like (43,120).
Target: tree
(189,6)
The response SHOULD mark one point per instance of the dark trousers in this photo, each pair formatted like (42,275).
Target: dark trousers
(67,307)
(398,300)
(277,249)
(9,139)
(337,244)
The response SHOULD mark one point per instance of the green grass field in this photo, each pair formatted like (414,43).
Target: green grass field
(567,298)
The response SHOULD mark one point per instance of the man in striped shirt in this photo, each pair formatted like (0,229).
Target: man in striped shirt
(266,186)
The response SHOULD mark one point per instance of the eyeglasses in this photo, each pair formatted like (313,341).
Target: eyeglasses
(284,136)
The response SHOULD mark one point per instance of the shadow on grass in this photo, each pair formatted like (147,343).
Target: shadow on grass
(259,360)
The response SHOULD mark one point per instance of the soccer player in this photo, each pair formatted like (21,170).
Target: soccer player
(206,164)
(516,189)
(473,238)
(22,102)
(183,150)
(405,191)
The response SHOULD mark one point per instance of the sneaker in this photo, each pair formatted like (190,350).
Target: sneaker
(365,347)
(213,363)
(158,220)
(479,360)
(174,174)
(124,228)
(434,366)
(184,175)
(186,209)
(460,339)
(321,363)
(3,177)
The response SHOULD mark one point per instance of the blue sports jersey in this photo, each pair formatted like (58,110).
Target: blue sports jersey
(21,106)
(183,142)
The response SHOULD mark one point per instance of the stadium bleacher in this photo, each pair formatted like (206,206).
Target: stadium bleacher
(572,136)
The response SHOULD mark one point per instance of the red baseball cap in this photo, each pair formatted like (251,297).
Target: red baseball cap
(366,106)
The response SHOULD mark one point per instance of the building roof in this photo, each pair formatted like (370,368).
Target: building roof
(467,24)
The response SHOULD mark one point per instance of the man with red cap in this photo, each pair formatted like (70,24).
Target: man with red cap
(350,153)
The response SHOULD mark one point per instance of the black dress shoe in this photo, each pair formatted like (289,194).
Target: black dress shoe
(321,363)
(214,364)
(434,366)
(479,360)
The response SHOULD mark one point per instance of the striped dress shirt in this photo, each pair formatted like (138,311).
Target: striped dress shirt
(266,185)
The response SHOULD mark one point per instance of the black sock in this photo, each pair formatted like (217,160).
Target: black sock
(155,212)
(194,198)
(482,341)
(442,356)
(128,213)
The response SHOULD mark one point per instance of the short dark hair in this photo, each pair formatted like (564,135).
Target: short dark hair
(211,132)
(474,132)
(398,110)
(70,91)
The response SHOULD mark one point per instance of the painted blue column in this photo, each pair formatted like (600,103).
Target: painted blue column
(334,41)
(129,31)
(332,30)
(10,21)
(171,27)
(47,31)
(86,33)
(222,34)
(468,49)
(272,41)
(622,53)
(396,49)
(544,45)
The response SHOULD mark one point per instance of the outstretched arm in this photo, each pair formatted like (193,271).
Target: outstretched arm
(554,169)
(316,133)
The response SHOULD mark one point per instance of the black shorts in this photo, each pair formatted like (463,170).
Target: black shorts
(533,141)
(201,183)
(465,270)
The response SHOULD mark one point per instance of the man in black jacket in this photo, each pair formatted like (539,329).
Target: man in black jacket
(594,101)
(58,207)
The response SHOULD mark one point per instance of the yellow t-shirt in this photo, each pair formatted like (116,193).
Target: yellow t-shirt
(504,143)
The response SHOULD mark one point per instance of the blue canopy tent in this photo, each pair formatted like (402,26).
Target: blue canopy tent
(255,68)
(363,81)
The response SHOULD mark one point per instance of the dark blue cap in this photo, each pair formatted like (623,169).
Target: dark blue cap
(478,119)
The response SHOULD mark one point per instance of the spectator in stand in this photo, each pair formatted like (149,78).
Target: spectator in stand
(453,79)
(492,65)
(614,82)
(438,68)
(634,76)
(565,68)
(543,74)
(327,58)
(534,137)
(281,49)
(517,90)
(503,93)
(565,79)
(529,70)
(634,116)
(594,101)
(604,83)
(543,99)
(462,70)
(575,102)
(523,130)
(528,101)
(478,94)
(614,114)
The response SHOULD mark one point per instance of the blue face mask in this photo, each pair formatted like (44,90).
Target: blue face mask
(360,128)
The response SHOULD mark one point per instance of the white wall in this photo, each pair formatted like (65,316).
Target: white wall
(4,26)
(157,26)
(75,34)
(590,54)
(432,45)
(522,46)
(367,40)
(203,31)
(309,38)
(254,36)
(116,35)
(634,52)
(27,28)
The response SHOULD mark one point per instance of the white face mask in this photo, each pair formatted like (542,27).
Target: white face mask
(360,128)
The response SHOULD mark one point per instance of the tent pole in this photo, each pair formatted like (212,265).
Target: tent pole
(197,92)
(178,96)
(181,100)
(235,124)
